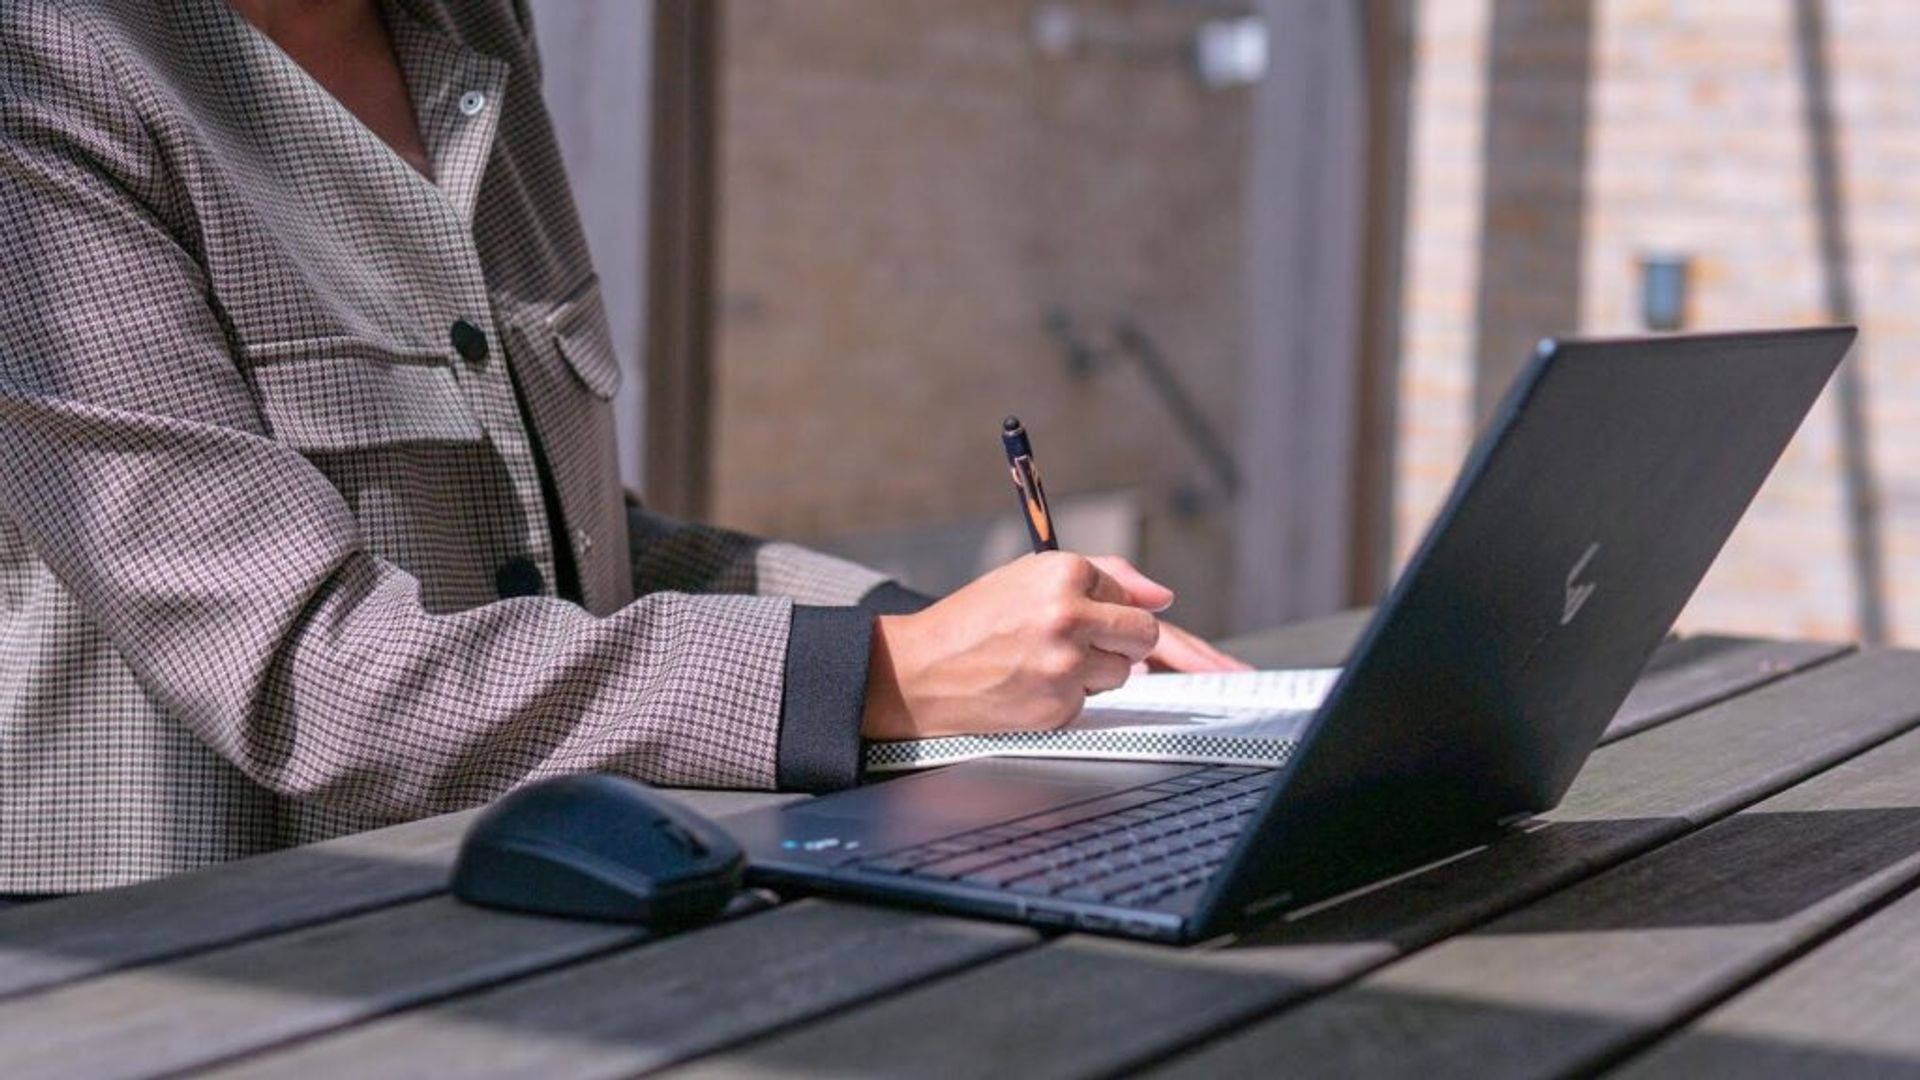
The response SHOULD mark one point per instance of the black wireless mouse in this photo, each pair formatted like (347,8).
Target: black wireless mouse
(596,846)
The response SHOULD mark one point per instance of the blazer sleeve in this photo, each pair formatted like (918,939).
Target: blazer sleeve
(673,554)
(230,575)
(832,632)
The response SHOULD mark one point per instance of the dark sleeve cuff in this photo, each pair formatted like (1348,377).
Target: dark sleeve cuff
(827,652)
(893,598)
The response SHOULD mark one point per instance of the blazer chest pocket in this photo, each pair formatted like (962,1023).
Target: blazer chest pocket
(577,326)
(332,396)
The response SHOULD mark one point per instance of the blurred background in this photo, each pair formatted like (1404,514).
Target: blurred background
(1252,272)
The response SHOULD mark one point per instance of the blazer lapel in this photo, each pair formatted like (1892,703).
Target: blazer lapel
(300,153)
(457,98)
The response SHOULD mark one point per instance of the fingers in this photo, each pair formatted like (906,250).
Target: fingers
(1105,589)
(1126,631)
(1129,585)
(1226,660)
(1104,671)
(1106,578)
(1119,618)
(1179,650)
(1096,620)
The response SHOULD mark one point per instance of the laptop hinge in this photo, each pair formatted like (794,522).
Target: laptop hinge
(1265,904)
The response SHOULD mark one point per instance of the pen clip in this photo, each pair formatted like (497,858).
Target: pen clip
(1026,477)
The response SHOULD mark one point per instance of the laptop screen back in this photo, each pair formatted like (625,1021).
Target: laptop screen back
(1583,521)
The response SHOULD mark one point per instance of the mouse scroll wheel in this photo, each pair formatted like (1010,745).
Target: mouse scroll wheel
(679,835)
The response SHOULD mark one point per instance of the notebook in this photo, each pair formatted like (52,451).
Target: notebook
(1226,718)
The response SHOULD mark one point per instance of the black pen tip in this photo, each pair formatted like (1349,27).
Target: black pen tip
(1010,424)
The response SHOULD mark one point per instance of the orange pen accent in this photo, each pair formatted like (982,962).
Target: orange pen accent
(1026,480)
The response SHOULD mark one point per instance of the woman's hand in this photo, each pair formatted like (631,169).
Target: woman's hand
(1180,650)
(1177,649)
(1019,649)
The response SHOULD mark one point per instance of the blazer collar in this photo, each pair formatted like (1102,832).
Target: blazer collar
(458,95)
(285,106)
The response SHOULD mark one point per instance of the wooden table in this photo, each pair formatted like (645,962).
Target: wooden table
(1726,890)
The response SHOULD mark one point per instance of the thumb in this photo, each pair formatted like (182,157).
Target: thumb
(1128,585)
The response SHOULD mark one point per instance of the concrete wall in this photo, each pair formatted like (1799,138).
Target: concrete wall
(597,59)
(1305,241)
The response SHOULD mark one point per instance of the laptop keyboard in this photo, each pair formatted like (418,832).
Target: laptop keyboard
(1133,848)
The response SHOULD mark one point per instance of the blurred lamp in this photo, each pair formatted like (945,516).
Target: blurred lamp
(1663,291)
(1055,30)
(1231,52)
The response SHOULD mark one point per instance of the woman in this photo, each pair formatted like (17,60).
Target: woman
(311,514)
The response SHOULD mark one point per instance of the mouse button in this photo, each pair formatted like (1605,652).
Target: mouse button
(527,812)
(675,833)
(710,865)
(698,889)
(541,880)
(713,839)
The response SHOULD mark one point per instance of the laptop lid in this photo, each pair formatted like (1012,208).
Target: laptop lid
(1593,504)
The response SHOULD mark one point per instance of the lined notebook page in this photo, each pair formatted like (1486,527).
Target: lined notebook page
(1289,690)
(1241,717)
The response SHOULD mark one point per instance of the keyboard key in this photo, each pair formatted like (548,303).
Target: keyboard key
(1150,892)
(1004,873)
(1135,846)
(948,869)
(1187,782)
(1054,882)
(1074,834)
(899,861)
(1121,884)
(1086,811)
(1003,833)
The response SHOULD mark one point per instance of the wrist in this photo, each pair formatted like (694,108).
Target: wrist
(885,714)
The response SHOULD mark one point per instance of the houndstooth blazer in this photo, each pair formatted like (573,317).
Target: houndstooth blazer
(281,423)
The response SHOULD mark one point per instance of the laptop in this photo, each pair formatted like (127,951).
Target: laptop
(1581,523)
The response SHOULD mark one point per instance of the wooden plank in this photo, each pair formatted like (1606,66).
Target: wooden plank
(1692,673)
(1084,1006)
(644,1008)
(182,1013)
(45,944)
(1844,1010)
(1685,673)
(1567,984)
(1322,642)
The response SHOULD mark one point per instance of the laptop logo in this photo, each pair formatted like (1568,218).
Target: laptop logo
(1578,592)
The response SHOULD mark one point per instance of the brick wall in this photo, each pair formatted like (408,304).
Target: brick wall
(1695,142)
(908,189)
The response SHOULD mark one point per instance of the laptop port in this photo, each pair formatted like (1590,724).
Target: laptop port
(1044,917)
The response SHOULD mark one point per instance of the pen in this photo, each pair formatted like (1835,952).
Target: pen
(1026,479)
